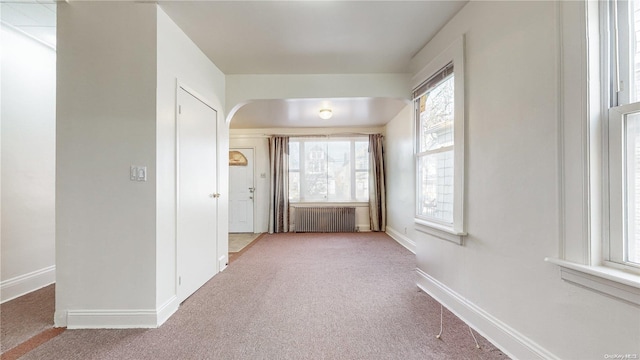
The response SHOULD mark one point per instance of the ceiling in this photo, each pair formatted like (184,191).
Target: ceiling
(311,37)
(290,37)
(36,19)
(303,113)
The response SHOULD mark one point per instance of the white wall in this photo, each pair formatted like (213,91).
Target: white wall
(179,59)
(28,164)
(498,281)
(106,122)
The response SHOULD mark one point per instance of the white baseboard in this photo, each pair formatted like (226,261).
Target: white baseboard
(167,309)
(24,284)
(401,239)
(117,319)
(363,227)
(511,342)
(223,262)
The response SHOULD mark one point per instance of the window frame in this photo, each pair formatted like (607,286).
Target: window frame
(583,158)
(615,64)
(301,140)
(454,231)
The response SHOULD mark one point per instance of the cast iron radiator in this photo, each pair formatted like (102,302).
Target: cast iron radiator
(325,219)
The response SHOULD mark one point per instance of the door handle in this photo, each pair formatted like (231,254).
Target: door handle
(252,189)
(216,195)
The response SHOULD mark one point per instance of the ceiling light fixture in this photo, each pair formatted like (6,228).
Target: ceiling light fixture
(325,114)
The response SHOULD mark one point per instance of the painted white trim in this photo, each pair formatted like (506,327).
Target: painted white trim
(24,284)
(118,319)
(606,280)
(511,342)
(111,319)
(401,239)
(366,227)
(440,231)
(167,309)
(222,262)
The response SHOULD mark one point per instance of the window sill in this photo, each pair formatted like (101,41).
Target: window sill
(605,280)
(440,231)
(328,203)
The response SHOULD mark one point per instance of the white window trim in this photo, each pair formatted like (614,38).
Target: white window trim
(455,231)
(582,188)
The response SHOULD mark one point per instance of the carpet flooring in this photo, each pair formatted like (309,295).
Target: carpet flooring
(295,296)
(25,317)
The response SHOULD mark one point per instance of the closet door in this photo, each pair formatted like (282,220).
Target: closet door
(197,198)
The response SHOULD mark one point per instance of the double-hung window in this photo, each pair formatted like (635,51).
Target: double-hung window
(622,67)
(329,170)
(439,133)
(600,148)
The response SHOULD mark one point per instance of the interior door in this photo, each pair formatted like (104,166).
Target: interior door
(241,191)
(196,193)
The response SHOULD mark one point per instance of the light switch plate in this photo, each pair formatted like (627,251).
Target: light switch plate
(138,173)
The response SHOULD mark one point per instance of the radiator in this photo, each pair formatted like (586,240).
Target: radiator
(325,219)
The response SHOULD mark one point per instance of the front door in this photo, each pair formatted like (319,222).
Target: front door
(241,190)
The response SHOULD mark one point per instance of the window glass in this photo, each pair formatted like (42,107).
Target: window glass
(633,188)
(328,170)
(436,117)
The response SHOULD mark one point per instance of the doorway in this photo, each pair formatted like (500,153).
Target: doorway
(241,190)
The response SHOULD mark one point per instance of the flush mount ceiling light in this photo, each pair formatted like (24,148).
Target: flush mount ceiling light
(325,114)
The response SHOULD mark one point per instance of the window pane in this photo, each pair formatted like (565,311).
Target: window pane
(315,171)
(634,31)
(362,185)
(325,170)
(435,187)
(294,185)
(339,171)
(362,155)
(294,155)
(633,188)
(436,116)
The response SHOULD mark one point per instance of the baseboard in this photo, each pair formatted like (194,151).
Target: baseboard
(510,341)
(401,239)
(223,262)
(117,319)
(24,284)
(167,309)
(363,227)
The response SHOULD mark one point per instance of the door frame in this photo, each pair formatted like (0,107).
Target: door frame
(255,192)
(181,85)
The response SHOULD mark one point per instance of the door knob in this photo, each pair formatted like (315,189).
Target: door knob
(252,189)
(216,195)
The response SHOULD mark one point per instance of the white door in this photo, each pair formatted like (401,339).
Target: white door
(241,194)
(197,194)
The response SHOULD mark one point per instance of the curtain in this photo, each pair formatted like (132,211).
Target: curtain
(377,193)
(279,174)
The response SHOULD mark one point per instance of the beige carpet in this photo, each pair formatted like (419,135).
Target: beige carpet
(238,241)
(296,296)
(25,317)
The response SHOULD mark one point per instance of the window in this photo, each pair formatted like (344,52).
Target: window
(439,132)
(622,248)
(597,149)
(334,170)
